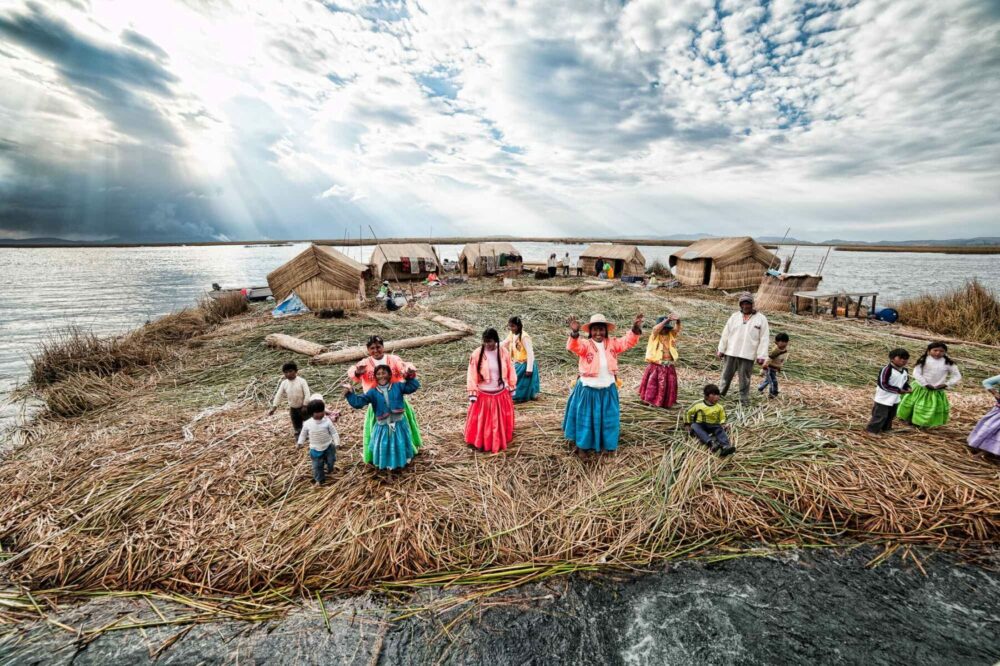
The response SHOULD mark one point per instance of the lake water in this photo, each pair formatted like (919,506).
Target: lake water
(109,290)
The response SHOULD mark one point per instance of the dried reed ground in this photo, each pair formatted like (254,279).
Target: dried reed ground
(153,493)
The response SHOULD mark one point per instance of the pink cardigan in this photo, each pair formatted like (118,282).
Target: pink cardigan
(509,377)
(367,367)
(585,348)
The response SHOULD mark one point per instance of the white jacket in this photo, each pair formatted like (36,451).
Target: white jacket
(748,339)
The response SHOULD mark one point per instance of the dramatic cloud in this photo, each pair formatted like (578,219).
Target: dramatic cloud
(170,120)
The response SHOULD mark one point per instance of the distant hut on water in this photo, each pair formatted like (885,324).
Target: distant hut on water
(626,260)
(322,277)
(479,259)
(404,261)
(723,263)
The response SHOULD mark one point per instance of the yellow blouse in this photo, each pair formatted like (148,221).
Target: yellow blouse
(521,350)
(660,347)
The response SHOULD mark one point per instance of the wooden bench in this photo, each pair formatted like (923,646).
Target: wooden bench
(817,296)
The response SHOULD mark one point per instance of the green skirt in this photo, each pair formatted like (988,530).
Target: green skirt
(370,425)
(924,407)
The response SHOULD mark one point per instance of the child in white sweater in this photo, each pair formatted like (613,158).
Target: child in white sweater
(323,440)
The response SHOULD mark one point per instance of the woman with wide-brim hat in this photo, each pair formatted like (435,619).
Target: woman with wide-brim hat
(592,419)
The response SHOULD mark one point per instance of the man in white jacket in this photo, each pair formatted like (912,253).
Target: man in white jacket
(744,340)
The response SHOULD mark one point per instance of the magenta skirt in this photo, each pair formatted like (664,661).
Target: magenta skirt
(659,385)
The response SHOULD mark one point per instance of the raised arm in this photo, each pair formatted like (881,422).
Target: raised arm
(410,386)
(574,343)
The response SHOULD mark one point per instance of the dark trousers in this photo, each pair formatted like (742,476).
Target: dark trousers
(296,415)
(770,379)
(552,271)
(707,431)
(323,462)
(731,365)
(882,416)
(565,271)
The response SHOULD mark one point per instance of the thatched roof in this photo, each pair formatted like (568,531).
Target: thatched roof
(386,252)
(629,253)
(333,267)
(724,251)
(472,251)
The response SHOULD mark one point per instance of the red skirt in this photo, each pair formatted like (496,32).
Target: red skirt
(490,423)
(659,385)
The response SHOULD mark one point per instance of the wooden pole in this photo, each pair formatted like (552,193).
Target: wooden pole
(357,353)
(282,341)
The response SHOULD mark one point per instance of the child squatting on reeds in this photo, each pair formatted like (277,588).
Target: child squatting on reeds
(491,381)
(986,435)
(391,445)
(773,365)
(658,387)
(893,382)
(294,389)
(706,420)
(364,371)
(323,439)
(592,419)
(927,406)
(522,351)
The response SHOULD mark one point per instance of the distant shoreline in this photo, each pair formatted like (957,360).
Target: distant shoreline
(461,240)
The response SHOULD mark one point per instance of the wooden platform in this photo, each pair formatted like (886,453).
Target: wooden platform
(253,293)
(834,296)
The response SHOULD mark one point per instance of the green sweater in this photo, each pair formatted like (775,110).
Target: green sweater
(702,412)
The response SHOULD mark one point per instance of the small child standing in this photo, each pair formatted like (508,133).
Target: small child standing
(296,391)
(522,352)
(706,419)
(772,366)
(928,406)
(323,440)
(893,383)
(658,387)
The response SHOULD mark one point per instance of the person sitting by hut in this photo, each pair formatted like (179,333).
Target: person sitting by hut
(490,380)
(592,419)
(609,270)
(659,383)
(744,340)
(391,445)
(518,344)
(552,265)
(383,291)
(364,372)
(927,406)
(986,435)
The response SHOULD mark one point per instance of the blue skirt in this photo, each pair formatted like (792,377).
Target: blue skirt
(527,387)
(593,418)
(391,449)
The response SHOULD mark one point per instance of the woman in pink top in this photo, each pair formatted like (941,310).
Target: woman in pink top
(593,417)
(491,381)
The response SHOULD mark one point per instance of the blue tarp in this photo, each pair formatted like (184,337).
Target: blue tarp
(292,305)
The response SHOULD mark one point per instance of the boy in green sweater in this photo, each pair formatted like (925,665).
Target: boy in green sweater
(707,420)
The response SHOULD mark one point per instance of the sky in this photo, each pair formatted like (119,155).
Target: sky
(211,119)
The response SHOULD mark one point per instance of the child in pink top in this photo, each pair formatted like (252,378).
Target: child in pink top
(491,381)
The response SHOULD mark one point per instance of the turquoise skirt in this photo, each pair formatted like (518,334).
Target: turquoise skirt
(391,448)
(527,387)
(411,419)
(592,419)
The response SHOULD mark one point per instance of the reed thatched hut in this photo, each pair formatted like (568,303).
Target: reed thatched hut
(479,259)
(723,263)
(626,259)
(775,293)
(322,277)
(404,261)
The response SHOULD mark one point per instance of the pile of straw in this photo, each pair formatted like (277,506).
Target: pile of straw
(971,312)
(161,495)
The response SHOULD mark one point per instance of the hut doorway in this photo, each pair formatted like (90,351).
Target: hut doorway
(463,265)
(707,275)
(619,267)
